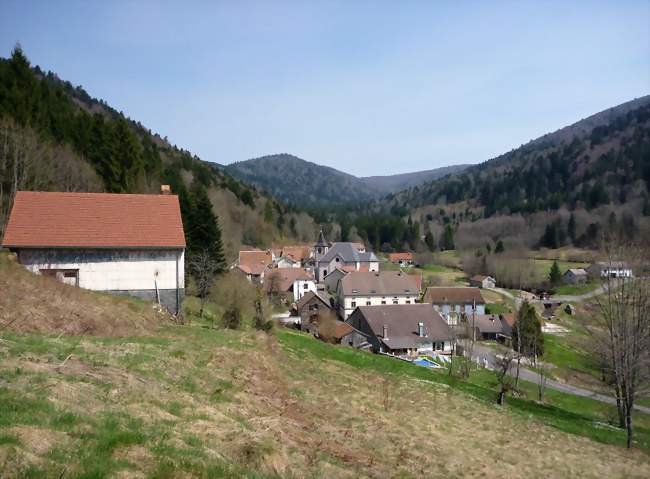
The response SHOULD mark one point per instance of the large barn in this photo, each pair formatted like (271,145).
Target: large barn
(116,243)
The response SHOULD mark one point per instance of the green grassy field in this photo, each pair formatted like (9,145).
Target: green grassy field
(195,400)
(576,289)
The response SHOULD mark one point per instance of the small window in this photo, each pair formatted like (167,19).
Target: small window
(408,301)
(383,301)
(395,301)
(354,304)
(305,286)
(368,303)
(337,259)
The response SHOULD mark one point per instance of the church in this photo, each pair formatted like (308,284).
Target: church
(344,256)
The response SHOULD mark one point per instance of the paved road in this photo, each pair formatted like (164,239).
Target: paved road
(561,299)
(531,376)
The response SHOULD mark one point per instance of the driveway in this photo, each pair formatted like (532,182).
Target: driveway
(531,376)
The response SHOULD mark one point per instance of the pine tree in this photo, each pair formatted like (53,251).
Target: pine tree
(555,275)
(499,248)
(126,152)
(571,228)
(204,233)
(447,242)
(528,331)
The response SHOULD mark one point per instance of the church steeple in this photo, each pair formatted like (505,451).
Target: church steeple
(322,246)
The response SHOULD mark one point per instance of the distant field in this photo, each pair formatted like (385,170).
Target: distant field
(570,254)
(576,289)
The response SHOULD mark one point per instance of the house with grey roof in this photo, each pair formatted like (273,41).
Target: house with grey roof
(575,276)
(405,330)
(345,256)
(331,281)
(376,288)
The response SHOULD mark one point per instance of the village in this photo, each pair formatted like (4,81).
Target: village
(339,292)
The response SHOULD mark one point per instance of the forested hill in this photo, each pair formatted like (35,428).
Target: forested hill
(599,160)
(295,180)
(57,137)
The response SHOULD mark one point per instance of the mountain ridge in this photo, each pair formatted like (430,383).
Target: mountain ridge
(300,181)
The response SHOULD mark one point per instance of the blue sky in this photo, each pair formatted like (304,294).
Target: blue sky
(365,87)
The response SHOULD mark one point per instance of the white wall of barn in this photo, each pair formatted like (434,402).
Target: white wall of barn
(108,270)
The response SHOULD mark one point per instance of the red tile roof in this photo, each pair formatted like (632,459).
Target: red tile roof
(297,252)
(94,220)
(286,277)
(255,261)
(396,257)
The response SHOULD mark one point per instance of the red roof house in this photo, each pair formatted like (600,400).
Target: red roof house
(119,243)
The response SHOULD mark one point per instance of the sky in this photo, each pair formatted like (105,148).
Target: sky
(367,87)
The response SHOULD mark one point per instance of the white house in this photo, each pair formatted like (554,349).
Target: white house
(296,281)
(369,288)
(610,269)
(116,243)
(287,262)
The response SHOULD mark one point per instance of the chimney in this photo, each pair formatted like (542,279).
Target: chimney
(421,329)
(385,334)
(165,190)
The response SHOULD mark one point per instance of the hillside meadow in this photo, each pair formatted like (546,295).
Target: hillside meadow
(155,399)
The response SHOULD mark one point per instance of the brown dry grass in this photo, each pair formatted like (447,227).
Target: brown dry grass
(33,303)
(243,398)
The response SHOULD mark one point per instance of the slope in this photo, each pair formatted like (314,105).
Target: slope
(595,160)
(196,401)
(301,182)
(47,123)
(393,183)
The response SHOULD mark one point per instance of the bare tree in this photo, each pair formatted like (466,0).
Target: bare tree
(622,330)
(539,367)
(272,285)
(503,360)
(27,162)
(204,270)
